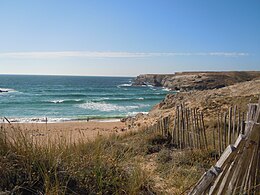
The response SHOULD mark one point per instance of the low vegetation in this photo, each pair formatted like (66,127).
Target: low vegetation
(134,163)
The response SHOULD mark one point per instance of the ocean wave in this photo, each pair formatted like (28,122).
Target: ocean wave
(103,95)
(69,95)
(106,107)
(125,85)
(57,89)
(135,113)
(143,105)
(98,118)
(57,101)
(119,99)
(65,101)
(146,85)
(37,120)
(41,120)
(166,89)
(134,100)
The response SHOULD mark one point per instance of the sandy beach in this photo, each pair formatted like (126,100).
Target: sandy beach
(69,132)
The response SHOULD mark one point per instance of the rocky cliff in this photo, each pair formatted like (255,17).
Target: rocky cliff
(186,81)
(209,101)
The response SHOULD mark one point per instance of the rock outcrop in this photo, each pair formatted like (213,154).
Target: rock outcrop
(209,101)
(214,98)
(186,81)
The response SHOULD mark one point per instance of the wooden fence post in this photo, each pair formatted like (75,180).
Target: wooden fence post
(204,130)
(187,127)
(219,135)
(174,130)
(192,129)
(243,123)
(178,131)
(198,128)
(234,124)
(238,123)
(225,131)
(229,125)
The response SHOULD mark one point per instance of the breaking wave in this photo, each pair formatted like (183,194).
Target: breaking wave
(65,101)
(125,85)
(106,107)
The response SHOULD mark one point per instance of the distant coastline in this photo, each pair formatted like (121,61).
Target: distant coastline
(186,81)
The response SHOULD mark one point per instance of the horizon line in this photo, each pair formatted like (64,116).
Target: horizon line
(114,54)
(76,75)
(73,75)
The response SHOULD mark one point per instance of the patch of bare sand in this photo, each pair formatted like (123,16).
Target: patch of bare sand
(69,132)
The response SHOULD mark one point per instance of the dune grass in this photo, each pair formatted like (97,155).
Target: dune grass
(95,167)
(108,165)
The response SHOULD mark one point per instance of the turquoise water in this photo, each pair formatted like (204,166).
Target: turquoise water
(62,98)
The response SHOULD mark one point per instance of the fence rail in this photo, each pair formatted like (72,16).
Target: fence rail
(238,169)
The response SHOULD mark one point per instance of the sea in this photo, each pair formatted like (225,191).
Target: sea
(73,98)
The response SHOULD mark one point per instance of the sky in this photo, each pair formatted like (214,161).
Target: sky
(128,37)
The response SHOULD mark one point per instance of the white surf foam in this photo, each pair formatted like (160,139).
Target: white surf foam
(118,98)
(143,105)
(140,98)
(135,113)
(61,101)
(105,107)
(57,101)
(36,120)
(125,85)
(166,89)
(55,120)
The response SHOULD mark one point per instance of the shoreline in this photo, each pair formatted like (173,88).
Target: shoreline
(14,120)
(51,120)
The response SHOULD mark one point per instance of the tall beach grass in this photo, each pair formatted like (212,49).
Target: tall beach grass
(115,164)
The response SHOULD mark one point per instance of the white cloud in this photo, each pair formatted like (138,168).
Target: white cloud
(89,54)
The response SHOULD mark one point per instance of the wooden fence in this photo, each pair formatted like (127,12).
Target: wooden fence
(187,128)
(229,125)
(238,169)
(235,137)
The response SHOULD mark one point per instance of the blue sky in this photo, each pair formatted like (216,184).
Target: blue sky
(120,37)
